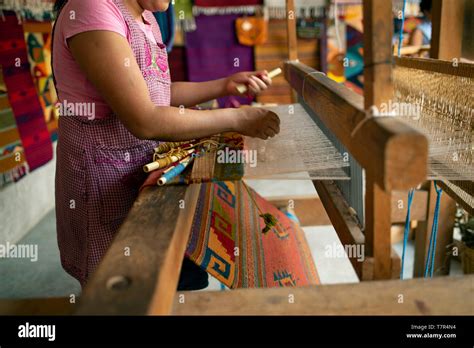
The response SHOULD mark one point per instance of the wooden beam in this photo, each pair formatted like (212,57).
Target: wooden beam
(291,30)
(456,190)
(345,224)
(377,228)
(378,90)
(447,29)
(395,153)
(419,296)
(436,65)
(40,306)
(144,280)
(378,35)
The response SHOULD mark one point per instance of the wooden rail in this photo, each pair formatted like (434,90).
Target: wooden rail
(436,65)
(391,297)
(37,306)
(139,273)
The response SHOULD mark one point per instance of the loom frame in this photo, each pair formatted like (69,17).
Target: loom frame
(145,282)
(383,263)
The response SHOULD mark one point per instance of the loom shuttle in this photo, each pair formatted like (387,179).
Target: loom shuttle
(243,88)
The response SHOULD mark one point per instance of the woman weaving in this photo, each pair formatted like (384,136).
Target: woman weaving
(109,54)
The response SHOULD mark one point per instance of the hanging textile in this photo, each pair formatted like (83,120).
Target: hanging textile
(38,39)
(354,69)
(13,165)
(213,52)
(227,240)
(277,8)
(22,94)
(183,10)
(37,10)
(178,65)
(167,26)
(225,7)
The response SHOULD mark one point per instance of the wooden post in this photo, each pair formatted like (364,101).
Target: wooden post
(291,29)
(378,89)
(378,32)
(447,28)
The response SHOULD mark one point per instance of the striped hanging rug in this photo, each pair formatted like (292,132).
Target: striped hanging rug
(23,100)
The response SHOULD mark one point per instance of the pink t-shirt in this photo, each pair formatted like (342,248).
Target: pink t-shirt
(76,17)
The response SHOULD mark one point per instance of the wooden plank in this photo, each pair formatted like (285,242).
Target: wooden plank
(418,207)
(378,35)
(467,186)
(447,29)
(419,296)
(378,89)
(345,224)
(436,65)
(155,234)
(377,228)
(167,282)
(395,153)
(455,191)
(291,29)
(40,306)
(423,231)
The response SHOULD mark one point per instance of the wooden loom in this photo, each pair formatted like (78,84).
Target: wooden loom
(394,157)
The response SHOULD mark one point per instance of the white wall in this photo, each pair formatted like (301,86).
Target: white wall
(25,203)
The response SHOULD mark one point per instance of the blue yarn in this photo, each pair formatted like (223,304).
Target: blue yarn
(407,229)
(175,171)
(400,39)
(429,264)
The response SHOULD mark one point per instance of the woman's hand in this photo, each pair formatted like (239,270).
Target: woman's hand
(257,122)
(256,82)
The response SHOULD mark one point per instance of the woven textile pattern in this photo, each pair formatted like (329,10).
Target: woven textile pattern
(13,164)
(39,55)
(227,241)
(22,94)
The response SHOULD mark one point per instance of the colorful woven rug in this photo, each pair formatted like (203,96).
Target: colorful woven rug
(22,95)
(13,165)
(227,240)
(38,39)
(213,52)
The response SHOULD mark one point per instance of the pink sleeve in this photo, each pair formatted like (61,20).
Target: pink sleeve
(79,16)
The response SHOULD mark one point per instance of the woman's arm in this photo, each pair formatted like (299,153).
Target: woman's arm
(108,62)
(193,93)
